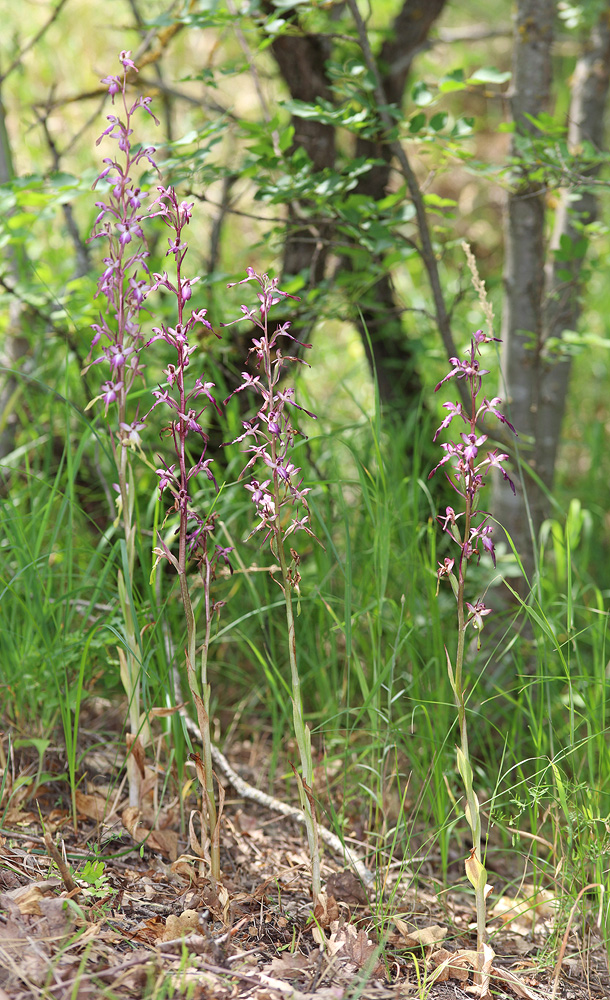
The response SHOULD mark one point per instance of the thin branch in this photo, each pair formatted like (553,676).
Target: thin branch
(241,38)
(145,33)
(81,249)
(143,57)
(472,33)
(223,210)
(32,42)
(144,82)
(180,95)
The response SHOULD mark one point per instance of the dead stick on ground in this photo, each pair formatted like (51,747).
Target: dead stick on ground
(295,813)
(64,871)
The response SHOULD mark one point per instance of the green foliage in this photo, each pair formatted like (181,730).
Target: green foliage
(373,664)
(94,876)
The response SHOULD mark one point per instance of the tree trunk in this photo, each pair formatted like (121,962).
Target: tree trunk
(379,318)
(522,321)
(301,61)
(590,83)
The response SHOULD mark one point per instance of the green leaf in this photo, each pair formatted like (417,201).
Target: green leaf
(391,200)
(488,74)
(186,140)
(59,180)
(405,213)
(285,5)
(462,127)
(438,121)
(40,745)
(435,201)
(421,95)
(570,249)
(399,256)
(275,26)
(564,275)
(452,82)
(554,128)
(286,138)
(464,768)
(417,123)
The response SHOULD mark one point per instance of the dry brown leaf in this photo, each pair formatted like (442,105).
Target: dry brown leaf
(326,910)
(14,817)
(130,818)
(336,941)
(272,984)
(164,841)
(360,949)
(194,844)
(401,925)
(135,749)
(457,965)
(27,898)
(422,937)
(163,713)
(353,944)
(319,937)
(179,926)
(346,888)
(452,965)
(518,986)
(39,918)
(480,988)
(150,931)
(186,867)
(94,931)
(520,912)
(290,966)
(441,960)
(93,806)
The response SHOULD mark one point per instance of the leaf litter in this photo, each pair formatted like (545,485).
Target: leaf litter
(139,917)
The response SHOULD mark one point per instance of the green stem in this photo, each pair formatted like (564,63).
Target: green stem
(131,672)
(472,811)
(202,698)
(302,731)
(206,738)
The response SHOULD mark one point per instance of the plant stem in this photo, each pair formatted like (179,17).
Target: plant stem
(201,690)
(472,811)
(301,729)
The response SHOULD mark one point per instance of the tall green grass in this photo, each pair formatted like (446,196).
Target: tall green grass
(372,635)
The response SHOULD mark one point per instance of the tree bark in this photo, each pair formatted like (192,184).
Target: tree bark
(522,321)
(379,318)
(301,61)
(590,84)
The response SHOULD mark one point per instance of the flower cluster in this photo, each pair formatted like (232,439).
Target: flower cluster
(270,434)
(185,406)
(124,280)
(469,528)
(280,502)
